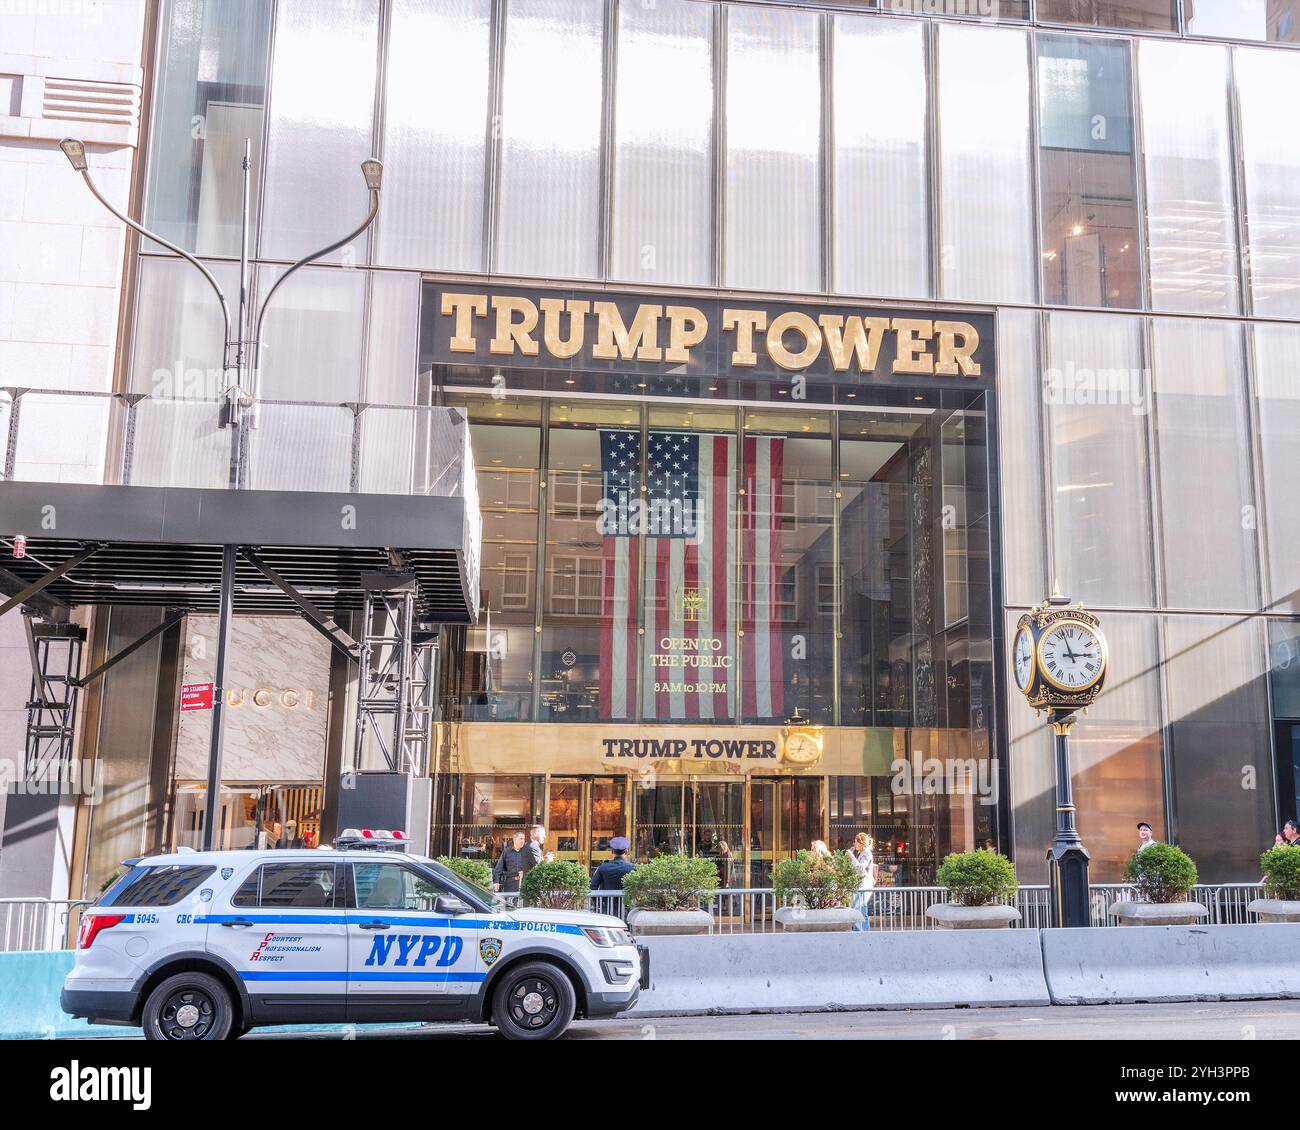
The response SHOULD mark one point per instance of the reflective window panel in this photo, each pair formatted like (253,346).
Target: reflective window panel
(1020,394)
(322,103)
(881,110)
(1203,439)
(1087,172)
(1277,21)
(548,202)
(1097,408)
(662,227)
(787,598)
(887,570)
(774,167)
(211,96)
(1117,750)
(986,205)
(1142,15)
(1191,224)
(312,337)
(435,134)
(1268,91)
(1277,385)
(590,644)
(697,584)
(1220,761)
(496,681)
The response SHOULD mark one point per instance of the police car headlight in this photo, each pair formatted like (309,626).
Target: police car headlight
(605,937)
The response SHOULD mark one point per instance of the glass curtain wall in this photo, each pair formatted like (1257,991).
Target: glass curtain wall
(715,593)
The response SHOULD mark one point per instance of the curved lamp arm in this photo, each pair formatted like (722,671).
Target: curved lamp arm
(372,169)
(75,152)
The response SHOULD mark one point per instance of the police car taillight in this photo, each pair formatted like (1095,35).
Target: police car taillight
(92,924)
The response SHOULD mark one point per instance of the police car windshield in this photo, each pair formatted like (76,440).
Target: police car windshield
(471,892)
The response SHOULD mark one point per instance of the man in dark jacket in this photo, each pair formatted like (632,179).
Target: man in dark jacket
(609,875)
(510,866)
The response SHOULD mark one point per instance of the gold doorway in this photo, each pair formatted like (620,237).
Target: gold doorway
(785,815)
(582,815)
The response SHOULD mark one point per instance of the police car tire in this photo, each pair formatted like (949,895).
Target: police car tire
(189,1006)
(534,985)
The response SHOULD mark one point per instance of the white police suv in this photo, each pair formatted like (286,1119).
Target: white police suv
(206,945)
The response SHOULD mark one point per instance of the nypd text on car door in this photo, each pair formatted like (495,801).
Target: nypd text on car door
(282,934)
(412,944)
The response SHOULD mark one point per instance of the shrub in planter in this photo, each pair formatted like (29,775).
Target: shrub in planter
(559,885)
(1161,873)
(816,882)
(1281,867)
(669,883)
(472,870)
(978,878)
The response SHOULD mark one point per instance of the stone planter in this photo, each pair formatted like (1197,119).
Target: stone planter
(949,916)
(653,923)
(802,920)
(1159,913)
(1275,910)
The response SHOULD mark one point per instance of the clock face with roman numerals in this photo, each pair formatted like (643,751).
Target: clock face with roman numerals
(1071,655)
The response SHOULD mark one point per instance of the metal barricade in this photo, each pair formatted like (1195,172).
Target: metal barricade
(39,924)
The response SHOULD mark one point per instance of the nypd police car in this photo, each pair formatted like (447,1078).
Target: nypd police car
(206,945)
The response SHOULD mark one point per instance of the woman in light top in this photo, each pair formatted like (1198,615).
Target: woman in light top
(865,863)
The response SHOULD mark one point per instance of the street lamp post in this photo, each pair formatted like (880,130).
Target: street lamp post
(241,353)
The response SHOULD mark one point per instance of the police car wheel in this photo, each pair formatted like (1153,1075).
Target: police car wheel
(188,1006)
(533,1002)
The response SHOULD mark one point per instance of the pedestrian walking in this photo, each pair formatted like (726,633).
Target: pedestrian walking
(509,868)
(1145,838)
(820,850)
(1289,836)
(726,865)
(535,848)
(864,862)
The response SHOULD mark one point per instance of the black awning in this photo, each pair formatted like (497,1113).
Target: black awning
(162,546)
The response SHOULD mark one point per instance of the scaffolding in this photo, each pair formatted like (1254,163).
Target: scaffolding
(55,653)
(395,688)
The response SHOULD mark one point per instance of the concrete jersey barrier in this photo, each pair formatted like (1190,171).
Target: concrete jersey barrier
(804,972)
(29,1003)
(1172,963)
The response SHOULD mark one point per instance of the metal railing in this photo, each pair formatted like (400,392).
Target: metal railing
(39,924)
(139,439)
(44,924)
(752,910)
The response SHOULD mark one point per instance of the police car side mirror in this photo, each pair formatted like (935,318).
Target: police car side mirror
(449,904)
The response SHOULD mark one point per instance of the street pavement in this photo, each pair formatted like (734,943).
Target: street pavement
(1230,1020)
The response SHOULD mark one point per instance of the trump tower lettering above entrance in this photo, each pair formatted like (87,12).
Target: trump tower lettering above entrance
(598,331)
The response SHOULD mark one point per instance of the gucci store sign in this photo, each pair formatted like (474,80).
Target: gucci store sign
(599,331)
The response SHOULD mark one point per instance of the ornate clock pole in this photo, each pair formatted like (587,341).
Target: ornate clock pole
(1060,658)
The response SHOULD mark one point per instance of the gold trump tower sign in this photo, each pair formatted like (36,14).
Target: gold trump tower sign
(617,332)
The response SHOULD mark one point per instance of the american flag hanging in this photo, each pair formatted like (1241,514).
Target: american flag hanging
(689,514)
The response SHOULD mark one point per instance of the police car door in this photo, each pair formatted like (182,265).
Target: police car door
(405,959)
(281,933)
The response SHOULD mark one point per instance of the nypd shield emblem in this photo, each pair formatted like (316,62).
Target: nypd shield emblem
(489,949)
(226,872)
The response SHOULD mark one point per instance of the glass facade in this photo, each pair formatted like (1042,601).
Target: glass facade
(1117,180)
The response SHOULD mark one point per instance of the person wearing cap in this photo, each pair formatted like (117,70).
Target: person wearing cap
(609,875)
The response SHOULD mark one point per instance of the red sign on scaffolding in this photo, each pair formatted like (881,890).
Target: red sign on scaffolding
(197,696)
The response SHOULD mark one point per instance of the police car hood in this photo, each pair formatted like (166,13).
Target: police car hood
(566,917)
